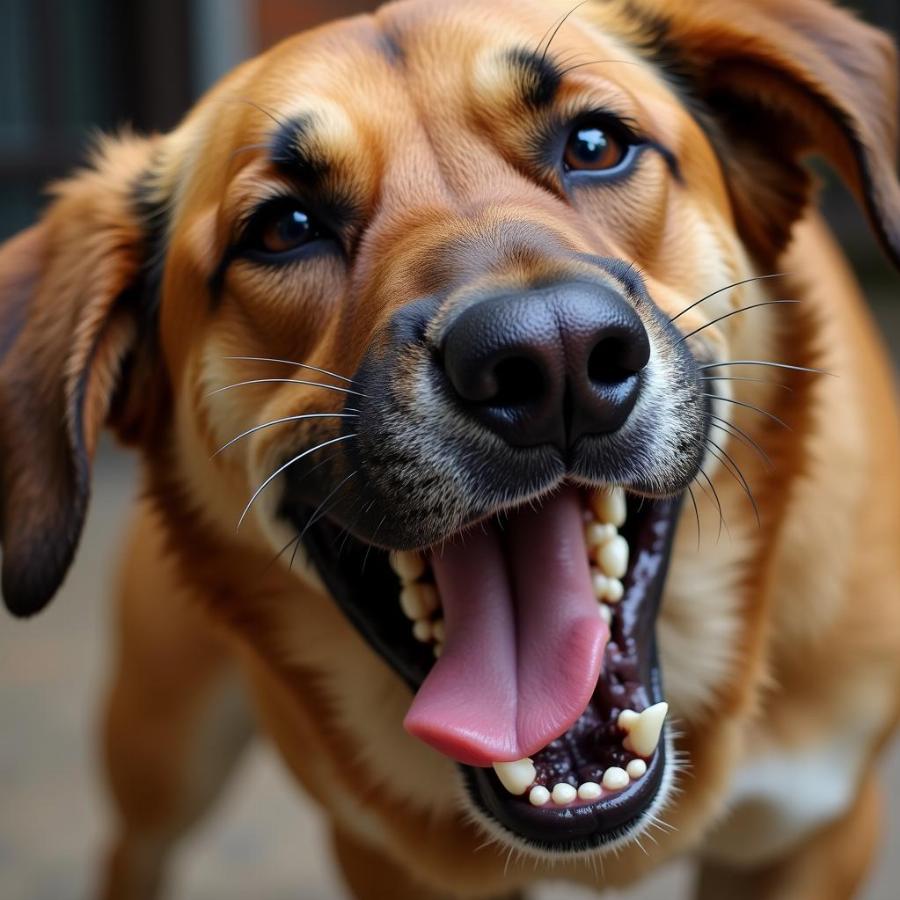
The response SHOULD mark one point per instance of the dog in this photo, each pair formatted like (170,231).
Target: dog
(517,450)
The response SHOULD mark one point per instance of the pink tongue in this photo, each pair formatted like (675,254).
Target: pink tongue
(524,641)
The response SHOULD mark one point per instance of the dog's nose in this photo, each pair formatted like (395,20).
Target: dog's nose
(550,365)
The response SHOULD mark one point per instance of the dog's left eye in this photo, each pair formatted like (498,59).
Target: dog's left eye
(597,146)
(282,228)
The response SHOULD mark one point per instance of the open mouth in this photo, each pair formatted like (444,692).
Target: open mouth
(529,642)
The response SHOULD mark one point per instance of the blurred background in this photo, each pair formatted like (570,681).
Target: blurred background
(69,68)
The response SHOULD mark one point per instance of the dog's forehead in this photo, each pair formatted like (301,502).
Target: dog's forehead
(423,59)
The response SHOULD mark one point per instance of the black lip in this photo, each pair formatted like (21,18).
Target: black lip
(362,583)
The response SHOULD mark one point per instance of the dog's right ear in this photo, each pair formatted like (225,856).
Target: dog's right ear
(73,319)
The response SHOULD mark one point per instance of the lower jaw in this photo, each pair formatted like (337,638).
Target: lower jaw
(593,745)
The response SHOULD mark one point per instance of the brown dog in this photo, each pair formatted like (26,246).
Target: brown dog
(467,264)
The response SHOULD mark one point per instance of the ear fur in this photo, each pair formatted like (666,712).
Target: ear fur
(774,81)
(68,323)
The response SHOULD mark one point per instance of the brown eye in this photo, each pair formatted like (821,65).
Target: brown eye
(591,148)
(286,230)
(282,231)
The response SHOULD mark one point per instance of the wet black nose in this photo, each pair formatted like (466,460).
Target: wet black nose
(548,366)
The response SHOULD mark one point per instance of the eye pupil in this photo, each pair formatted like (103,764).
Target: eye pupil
(592,143)
(293,227)
(286,229)
(592,148)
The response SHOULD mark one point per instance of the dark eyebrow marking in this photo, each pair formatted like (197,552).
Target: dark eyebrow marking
(291,150)
(538,75)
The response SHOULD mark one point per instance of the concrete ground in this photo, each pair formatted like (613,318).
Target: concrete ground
(264,840)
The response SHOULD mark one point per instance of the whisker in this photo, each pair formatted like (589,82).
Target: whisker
(556,30)
(746,405)
(777,384)
(728,287)
(729,428)
(763,362)
(255,428)
(246,149)
(365,561)
(327,387)
(734,312)
(291,362)
(281,468)
(717,501)
(320,511)
(736,473)
(696,514)
(598,62)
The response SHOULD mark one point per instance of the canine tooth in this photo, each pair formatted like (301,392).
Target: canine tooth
(539,796)
(609,506)
(438,630)
(408,564)
(637,768)
(644,732)
(418,601)
(422,630)
(590,790)
(438,650)
(516,776)
(563,794)
(626,719)
(598,533)
(614,779)
(615,590)
(605,613)
(600,583)
(612,557)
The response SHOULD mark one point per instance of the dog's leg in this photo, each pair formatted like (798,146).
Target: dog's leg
(372,876)
(176,719)
(831,865)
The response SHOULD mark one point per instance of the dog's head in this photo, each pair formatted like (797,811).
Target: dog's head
(447,300)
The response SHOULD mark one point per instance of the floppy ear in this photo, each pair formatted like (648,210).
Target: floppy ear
(70,317)
(778,80)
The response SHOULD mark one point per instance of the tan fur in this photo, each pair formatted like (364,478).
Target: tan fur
(777,638)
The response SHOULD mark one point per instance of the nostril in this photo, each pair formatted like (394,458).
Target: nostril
(611,361)
(519,381)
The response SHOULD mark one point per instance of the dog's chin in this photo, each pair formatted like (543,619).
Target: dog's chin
(603,768)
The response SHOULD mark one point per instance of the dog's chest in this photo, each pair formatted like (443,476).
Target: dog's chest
(780,797)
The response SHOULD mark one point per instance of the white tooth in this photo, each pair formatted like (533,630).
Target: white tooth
(418,601)
(626,719)
(637,768)
(605,613)
(539,796)
(422,630)
(590,790)
(438,630)
(563,794)
(615,590)
(612,557)
(408,564)
(516,776)
(597,533)
(438,650)
(609,506)
(644,732)
(600,583)
(614,779)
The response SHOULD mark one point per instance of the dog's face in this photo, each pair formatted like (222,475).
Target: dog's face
(445,300)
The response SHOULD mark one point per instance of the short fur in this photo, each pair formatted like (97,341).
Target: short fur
(780,641)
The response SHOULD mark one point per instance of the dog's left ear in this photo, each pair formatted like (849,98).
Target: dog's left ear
(778,80)
(72,329)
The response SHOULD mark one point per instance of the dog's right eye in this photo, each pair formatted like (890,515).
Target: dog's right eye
(281,230)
